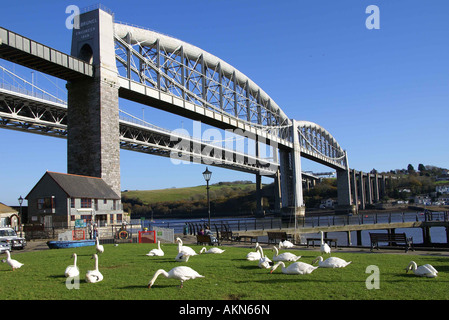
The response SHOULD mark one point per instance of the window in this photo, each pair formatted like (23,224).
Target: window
(45,203)
(86,203)
(72,202)
(86,217)
(96,204)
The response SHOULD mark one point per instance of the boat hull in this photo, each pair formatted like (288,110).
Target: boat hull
(70,244)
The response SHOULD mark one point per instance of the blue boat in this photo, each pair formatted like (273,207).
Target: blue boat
(70,244)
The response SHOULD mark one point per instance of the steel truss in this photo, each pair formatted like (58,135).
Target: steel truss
(200,80)
(318,144)
(30,114)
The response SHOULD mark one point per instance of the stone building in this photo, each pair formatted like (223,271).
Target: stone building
(60,200)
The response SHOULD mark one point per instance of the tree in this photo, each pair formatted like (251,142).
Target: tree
(410,169)
(422,169)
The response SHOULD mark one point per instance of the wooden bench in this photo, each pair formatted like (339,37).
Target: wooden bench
(246,237)
(227,235)
(277,235)
(205,239)
(329,241)
(391,238)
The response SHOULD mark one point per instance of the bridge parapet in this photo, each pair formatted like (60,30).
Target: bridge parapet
(29,53)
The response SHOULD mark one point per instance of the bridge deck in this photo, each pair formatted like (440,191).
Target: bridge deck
(34,55)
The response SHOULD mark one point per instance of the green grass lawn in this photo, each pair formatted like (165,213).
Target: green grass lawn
(228,276)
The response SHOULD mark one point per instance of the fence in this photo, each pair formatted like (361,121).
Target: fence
(169,228)
(315,221)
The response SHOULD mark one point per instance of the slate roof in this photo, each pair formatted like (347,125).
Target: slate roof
(6,209)
(77,186)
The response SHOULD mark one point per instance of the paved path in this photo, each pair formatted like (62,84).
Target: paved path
(36,245)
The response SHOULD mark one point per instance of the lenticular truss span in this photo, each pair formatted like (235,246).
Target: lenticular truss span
(185,70)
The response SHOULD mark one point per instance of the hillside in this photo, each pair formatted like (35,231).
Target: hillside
(226,197)
(188,193)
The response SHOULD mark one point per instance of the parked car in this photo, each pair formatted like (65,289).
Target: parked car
(10,236)
(4,246)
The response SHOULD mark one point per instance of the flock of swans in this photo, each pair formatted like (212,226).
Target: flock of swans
(184,273)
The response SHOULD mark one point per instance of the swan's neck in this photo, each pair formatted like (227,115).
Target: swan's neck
(203,249)
(74,259)
(412,266)
(280,263)
(96,262)
(277,251)
(319,259)
(179,247)
(322,237)
(261,251)
(8,255)
(159,245)
(158,272)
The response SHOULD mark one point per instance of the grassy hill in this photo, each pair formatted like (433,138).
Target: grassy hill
(188,193)
(226,197)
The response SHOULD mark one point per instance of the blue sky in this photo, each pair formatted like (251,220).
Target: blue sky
(383,94)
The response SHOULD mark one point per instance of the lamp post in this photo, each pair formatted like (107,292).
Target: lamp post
(20,214)
(207,175)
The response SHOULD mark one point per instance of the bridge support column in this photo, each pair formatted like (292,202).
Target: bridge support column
(259,200)
(93,144)
(369,189)
(355,197)
(344,190)
(291,177)
(362,190)
(376,188)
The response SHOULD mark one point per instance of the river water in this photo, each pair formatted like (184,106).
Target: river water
(437,234)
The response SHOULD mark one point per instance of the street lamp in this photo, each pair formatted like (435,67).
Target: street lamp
(207,175)
(20,214)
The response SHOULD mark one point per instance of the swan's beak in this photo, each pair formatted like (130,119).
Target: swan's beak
(149,286)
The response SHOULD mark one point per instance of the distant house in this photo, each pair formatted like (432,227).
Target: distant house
(442,189)
(423,199)
(6,213)
(327,203)
(60,199)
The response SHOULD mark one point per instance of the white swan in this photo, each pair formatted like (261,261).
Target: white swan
(95,275)
(179,273)
(185,249)
(254,255)
(99,247)
(13,263)
(264,261)
(212,250)
(72,270)
(156,252)
(426,270)
(295,268)
(324,248)
(331,262)
(182,257)
(285,244)
(285,256)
